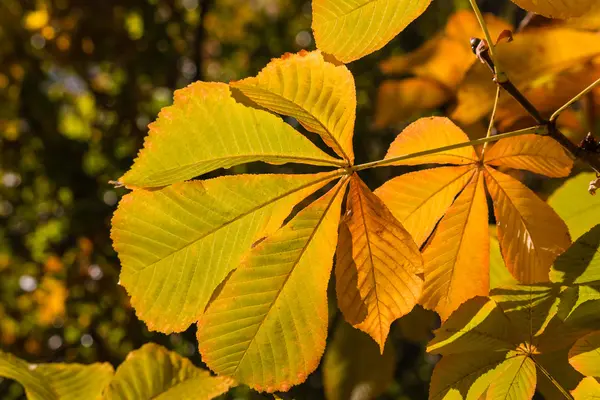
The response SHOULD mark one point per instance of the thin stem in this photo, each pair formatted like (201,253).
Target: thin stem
(557,113)
(538,130)
(492,118)
(484,28)
(554,381)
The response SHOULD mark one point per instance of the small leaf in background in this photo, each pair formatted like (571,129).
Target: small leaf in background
(530,233)
(587,389)
(353,367)
(584,356)
(457,255)
(153,372)
(575,206)
(320,95)
(377,263)
(558,8)
(57,381)
(352,29)
(183,142)
(177,244)
(267,325)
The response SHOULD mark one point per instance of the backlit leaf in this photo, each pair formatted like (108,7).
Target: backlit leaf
(531,235)
(457,254)
(584,356)
(419,199)
(56,381)
(153,372)
(377,265)
(353,368)
(535,153)
(558,8)
(320,95)
(206,129)
(515,380)
(178,243)
(267,325)
(430,133)
(499,275)
(580,264)
(351,29)
(575,206)
(588,389)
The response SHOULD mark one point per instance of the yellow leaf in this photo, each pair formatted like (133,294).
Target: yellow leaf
(535,153)
(206,129)
(320,95)
(377,265)
(153,372)
(530,233)
(558,8)
(532,55)
(430,133)
(351,29)
(584,356)
(419,199)
(178,243)
(267,325)
(516,379)
(457,255)
(588,389)
(398,101)
(353,368)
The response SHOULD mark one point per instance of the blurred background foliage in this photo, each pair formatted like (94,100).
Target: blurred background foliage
(79,82)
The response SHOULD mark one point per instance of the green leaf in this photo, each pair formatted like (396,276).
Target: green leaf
(353,367)
(351,29)
(585,355)
(267,325)
(153,372)
(177,244)
(580,264)
(319,94)
(56,381)
(575,206)
(207,129)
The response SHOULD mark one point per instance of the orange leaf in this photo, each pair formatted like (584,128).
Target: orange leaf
(535,153)
(377,265)
(457,255)
(419,199)
(398,101)
(531,234)
(429,133)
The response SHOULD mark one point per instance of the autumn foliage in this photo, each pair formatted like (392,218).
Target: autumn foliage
(248,257)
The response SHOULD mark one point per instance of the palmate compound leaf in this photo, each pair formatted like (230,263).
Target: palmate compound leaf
(351,29)
(580,264)
(584,356)
(492,347)
(153,372)
(558,8)
(178,243)
(267,325)
(531,234)
(353,367)
(377,265)
(319,94)
(424,196)
(457,255)
(206,129)
(57,381)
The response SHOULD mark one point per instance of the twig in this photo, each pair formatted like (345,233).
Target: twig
(585,91)
(580,152)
